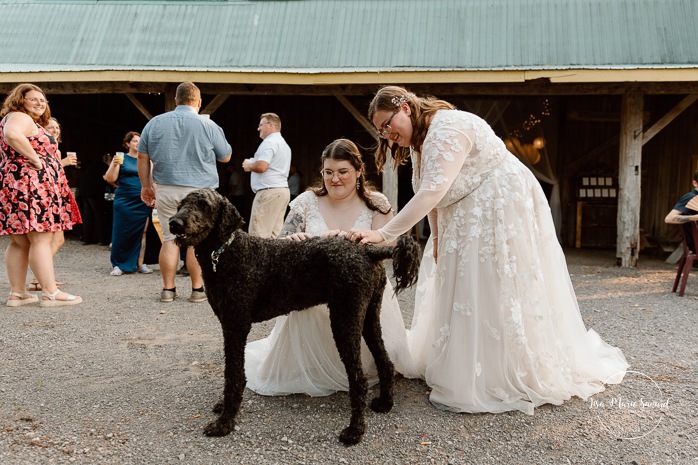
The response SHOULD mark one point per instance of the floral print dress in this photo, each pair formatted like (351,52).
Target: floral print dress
(33,200)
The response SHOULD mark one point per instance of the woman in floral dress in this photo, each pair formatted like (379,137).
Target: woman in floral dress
(34,196)
(496,325)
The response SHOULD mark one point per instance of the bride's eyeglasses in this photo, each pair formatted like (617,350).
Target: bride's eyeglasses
(385,131)
(341,174)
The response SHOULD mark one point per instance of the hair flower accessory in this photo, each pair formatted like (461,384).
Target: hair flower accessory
(398,101)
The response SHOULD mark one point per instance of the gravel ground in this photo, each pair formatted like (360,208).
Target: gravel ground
(125,379)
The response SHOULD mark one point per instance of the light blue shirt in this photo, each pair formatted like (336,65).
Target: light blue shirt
(184,147)
(275,151)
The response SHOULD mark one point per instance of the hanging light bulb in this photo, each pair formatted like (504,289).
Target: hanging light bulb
(539,142)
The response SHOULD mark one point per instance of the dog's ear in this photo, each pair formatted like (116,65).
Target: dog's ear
(229,217)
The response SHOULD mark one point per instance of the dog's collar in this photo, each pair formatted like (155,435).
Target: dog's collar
(217,253)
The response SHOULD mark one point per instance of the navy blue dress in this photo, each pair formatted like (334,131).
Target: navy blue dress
(130,217)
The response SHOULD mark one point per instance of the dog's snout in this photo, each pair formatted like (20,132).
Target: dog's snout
(176,225)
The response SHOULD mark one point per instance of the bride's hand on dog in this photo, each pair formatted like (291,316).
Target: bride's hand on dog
(334,233)
(298,237)
(365,236)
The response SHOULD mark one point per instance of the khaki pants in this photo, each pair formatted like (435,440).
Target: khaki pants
(268,209)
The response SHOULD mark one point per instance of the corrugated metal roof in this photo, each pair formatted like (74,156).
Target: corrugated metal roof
(348,35)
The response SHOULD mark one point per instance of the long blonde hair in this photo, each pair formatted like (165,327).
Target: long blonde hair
(422,110)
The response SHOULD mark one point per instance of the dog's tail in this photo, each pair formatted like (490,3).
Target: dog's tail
(406,256)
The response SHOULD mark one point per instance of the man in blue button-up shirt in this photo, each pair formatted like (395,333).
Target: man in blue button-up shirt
(183,147)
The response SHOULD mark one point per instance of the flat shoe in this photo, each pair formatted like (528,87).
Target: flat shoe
(168,296)
(145,269)
(197,297)
(49,300)
(116,271)
(23,299)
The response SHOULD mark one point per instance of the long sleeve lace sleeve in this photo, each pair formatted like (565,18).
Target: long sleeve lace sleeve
(444,151)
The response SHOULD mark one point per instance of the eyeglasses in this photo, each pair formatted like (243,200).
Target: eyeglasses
(341,174)
(36,100)
(386,129)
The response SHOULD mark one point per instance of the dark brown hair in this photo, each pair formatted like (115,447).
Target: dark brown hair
(129,136)
(15,102)
(344,149)
(422,110)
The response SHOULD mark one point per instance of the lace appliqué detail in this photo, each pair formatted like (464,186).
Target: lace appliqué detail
(463,309)
(445,332)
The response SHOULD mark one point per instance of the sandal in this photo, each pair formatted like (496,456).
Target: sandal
(23,299)
(49,300)
(35,286)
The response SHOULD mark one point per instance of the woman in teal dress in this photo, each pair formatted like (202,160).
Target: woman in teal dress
(131,216)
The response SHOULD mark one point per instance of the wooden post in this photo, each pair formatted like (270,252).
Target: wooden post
(629,177)
(390,181)
(170,92)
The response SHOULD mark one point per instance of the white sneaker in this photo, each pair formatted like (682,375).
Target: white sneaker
(145,269)
(116,271)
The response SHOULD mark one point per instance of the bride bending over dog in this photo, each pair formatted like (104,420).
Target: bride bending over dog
(299,355)
(496,325)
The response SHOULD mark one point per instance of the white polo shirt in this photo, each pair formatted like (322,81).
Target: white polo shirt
(275,151)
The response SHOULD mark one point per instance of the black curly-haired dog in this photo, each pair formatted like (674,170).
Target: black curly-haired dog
(249,279)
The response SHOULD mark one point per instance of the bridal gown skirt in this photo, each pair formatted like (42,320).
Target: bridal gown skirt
(496,325)
(300,356)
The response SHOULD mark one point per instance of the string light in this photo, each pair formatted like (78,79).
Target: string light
(532,121)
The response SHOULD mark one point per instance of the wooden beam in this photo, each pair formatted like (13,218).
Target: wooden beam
(669,117)
(441,90)
(628,219)
(140,106)
(358,116)
(217,101)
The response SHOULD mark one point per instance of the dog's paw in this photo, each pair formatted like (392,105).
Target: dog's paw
(381,406)
(219,428)
(218,408)
(351,436)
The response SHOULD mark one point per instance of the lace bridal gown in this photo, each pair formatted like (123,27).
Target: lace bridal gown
(300,356)
(496,326)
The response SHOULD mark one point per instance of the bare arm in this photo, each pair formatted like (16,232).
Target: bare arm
(677,217)
(112,173)
(18,128)
(145,176)
(258,166)
(294,227)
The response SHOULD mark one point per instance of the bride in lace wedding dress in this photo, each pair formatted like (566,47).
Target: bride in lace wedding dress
(496,325)
(299,355)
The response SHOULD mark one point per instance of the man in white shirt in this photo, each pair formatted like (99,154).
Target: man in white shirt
(269,167)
